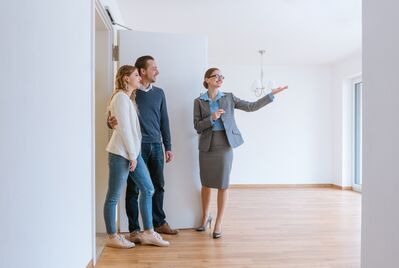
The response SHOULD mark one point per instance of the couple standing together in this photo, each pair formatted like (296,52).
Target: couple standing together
(138,115)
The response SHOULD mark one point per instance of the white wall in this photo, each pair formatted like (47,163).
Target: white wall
(45,141)
(343,73)
(291,140)
(380,217)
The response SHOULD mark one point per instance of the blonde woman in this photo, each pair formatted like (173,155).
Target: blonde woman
(214,121)
(124,156)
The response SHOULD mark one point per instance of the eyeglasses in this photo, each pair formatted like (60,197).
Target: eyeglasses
(218,76)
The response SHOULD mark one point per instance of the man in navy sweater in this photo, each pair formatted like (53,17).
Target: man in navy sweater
(154,123)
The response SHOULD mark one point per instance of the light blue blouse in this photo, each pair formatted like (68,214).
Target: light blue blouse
(217,125)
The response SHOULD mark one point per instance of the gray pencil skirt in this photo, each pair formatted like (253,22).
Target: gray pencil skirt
(215,164)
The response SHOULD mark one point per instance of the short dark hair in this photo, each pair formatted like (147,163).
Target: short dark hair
(141,62)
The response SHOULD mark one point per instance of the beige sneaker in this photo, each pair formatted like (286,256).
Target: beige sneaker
(153,239)
(134,237)
(118,241)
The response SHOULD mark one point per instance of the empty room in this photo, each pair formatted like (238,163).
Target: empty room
(199,134)
(293,192)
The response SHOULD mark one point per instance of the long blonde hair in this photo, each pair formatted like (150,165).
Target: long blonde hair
(121,83)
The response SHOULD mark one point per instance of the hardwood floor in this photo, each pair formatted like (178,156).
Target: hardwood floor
(284,228)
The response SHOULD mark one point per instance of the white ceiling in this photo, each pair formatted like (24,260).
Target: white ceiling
(291,31)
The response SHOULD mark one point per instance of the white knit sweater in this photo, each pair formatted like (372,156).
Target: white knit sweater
(126,137)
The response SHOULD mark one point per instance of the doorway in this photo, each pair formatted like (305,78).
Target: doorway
(357,119)
(103,84)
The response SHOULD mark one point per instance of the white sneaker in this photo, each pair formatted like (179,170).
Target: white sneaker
(134,237)
(153,239)
(118,241)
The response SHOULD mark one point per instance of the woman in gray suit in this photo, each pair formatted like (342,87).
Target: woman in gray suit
(214,121)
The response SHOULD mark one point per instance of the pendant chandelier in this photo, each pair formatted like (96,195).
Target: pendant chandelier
(259,86)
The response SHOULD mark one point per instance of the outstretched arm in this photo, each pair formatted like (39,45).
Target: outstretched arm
(279,89)
(256,105)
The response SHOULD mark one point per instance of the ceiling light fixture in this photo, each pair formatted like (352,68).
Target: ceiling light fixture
(259,86)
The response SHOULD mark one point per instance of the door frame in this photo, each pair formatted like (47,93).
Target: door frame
(100,11)
(354,81)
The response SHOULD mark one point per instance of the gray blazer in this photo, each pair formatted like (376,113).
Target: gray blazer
(229,102)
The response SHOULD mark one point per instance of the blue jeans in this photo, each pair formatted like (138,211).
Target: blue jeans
(153,156)
(118,174)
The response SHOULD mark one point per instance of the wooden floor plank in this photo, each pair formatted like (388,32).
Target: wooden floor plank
(279,228)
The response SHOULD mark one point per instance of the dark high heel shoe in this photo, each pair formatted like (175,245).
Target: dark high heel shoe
(216,235)
(206,225)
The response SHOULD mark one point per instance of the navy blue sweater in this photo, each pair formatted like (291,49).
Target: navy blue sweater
(153,115)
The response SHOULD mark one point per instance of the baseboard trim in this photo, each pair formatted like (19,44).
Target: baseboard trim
(344,188)
(246,186)
(272,186)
